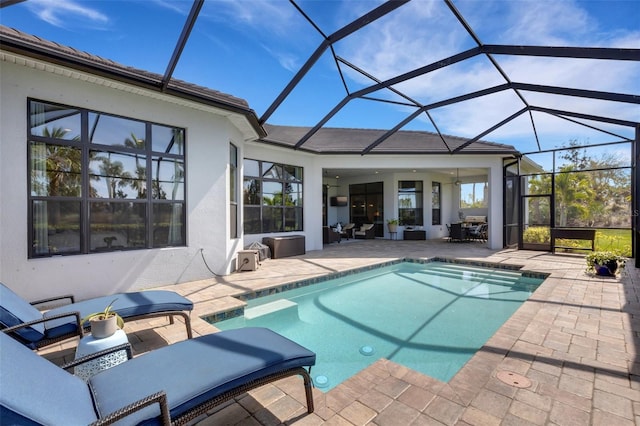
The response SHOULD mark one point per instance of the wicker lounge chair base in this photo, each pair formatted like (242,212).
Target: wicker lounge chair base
(171,385)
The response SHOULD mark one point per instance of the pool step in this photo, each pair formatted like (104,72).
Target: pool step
(494,276)
(281,306)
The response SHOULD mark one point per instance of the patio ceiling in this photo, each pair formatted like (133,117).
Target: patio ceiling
(412,97)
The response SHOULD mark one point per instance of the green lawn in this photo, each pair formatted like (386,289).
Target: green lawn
(618,240)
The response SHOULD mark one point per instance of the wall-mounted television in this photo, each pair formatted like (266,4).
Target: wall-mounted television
(339,201)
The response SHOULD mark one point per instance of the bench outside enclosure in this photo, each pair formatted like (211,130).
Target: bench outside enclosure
(572,234)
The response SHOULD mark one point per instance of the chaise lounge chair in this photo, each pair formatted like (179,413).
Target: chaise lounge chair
(170,385)
(63,322)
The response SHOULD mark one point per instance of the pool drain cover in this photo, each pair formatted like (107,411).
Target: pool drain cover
(321,381)
(513,379)
(366,350)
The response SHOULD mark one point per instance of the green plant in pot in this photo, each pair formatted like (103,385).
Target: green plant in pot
(104,323)
(392,224)
(605,262)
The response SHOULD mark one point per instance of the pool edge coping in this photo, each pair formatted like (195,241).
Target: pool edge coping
(244,297)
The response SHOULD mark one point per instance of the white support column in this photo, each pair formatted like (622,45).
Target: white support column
(496,202)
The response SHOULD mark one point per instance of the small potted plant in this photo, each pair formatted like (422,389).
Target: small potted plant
(392,224)
(605,262)
(104,323)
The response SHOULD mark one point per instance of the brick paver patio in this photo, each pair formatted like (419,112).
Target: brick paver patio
(568,356)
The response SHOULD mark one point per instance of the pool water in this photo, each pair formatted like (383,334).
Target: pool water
(430,317)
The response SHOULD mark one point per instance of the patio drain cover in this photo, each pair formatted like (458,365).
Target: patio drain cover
(513,379)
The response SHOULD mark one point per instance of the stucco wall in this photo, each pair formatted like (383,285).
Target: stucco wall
(208,137)
(209,133)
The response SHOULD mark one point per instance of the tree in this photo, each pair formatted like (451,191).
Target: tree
(114,175)
(571,191)
(140,182)
(592,191)
(56,169)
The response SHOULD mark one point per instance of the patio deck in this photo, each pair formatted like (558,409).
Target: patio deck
(576,340)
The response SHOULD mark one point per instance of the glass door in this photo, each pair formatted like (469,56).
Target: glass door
(367,205)
(511,204)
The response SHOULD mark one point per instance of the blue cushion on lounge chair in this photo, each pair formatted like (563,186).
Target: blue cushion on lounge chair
(14,310)
(35,391)
(127,305)
(191,372)
(196,370)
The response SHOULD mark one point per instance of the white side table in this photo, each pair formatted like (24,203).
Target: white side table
(89,345)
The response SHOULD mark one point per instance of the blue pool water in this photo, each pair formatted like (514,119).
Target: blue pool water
(430,317)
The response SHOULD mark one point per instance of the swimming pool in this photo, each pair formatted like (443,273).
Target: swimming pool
(431,317)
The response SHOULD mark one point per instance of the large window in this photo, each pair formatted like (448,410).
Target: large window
(410,205)
(99,182)
(473,194)
(272,197)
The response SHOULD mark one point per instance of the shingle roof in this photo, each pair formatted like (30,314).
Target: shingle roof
(331,140)
(325,141)
(29,45)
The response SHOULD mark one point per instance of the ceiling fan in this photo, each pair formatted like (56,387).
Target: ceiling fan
(328,185)
(456,182)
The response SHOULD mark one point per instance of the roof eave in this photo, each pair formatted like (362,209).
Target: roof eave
(122,75)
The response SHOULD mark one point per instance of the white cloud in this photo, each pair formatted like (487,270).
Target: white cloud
(547,23)
(423,32)
(252,16)
(174,6)
(277,28)
(60,13)
(288,61)
(407,38)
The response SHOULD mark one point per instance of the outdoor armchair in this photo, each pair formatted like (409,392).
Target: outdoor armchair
(170,385)
(479,232)
(63,322)
(347,230)
(366,231)
(329,235)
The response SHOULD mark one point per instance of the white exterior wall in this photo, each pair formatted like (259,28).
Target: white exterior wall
(450,198)
(209,133)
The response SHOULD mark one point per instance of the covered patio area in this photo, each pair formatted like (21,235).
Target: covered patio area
(571,351)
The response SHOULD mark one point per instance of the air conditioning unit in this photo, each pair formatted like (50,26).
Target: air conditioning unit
(248,260)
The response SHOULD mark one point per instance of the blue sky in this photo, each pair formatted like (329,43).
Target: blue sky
(252,48)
